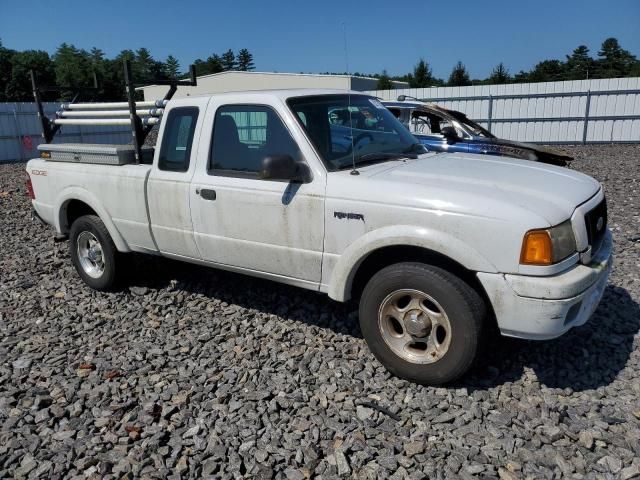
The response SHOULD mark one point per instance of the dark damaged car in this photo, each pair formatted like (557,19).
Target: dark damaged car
(443,130)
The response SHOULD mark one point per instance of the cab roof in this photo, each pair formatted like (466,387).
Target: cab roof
(282,94)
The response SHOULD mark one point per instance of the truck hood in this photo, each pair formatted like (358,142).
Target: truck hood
(551,192)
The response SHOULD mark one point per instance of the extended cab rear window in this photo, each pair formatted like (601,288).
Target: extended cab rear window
(175,152)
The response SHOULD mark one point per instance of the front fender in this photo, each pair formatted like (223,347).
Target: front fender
(84,195)
(404,235)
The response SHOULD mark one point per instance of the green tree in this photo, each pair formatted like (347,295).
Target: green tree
(213,64)
(114,81)
(6,56)
(422,75)
(245,60)
(614,61)
(18,88)
(459,76)
(228,60)
(74,69)
(579,64)
(521,77)
(384,81)
(172,67)
(499,75)
(143,67)
(547,71)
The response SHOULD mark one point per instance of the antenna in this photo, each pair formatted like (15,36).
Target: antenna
(354,171)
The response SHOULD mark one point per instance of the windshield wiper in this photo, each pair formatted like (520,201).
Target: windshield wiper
(377,156)
(374,157)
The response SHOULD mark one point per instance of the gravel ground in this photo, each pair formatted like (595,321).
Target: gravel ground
(189,372)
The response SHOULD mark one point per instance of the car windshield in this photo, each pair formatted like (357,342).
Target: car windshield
(347,129)
(472,126)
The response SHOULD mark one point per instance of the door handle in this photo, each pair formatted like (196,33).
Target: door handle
(208,194)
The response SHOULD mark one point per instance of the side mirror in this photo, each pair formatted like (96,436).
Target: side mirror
(284,167)
(449,133)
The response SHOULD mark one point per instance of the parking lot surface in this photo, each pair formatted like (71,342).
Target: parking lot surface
(190,372)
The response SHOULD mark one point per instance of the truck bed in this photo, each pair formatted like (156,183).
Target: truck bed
(116,193)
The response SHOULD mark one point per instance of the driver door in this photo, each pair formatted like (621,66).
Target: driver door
(242,221)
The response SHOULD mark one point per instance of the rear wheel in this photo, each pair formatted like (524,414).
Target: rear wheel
(93,252)
(422,322)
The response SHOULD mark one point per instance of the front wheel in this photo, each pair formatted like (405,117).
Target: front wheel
(93,252)
(421,322)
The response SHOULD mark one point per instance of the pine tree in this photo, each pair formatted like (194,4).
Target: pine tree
(422,75)
(459,76)
(614,60)
(73,67)
(228,60)
(499,75)
(143,66)
(172,67)
(214,64)
(579,64)
(245,60)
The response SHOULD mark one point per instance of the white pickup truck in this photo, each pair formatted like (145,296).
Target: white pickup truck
(265,183)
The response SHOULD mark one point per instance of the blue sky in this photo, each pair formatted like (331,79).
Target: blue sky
(303,36)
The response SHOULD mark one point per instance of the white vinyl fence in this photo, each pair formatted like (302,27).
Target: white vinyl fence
(20,131)
(581,111)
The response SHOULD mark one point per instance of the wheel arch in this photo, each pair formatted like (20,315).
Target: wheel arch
(384,247)
(74,202)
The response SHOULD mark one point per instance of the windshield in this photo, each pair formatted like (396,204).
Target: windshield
(360,129)
(470,125)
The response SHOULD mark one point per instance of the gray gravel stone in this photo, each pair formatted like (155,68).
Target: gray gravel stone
(414,448)
(632,471)
(199,373)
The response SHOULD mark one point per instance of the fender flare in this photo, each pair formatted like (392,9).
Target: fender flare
(85,196)
(445,244)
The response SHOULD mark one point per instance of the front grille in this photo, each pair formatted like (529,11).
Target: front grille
(595,218)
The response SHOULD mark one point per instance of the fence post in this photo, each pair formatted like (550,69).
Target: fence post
(586,118)
(18,134)
(490,112)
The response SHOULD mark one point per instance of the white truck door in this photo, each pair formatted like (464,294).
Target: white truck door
(273,228)
(170,179)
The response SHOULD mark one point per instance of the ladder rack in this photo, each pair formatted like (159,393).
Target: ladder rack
(141,115)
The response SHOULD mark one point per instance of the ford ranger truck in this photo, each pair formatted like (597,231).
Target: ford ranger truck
(433,246)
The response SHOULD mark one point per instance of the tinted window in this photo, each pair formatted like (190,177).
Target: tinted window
(175,152)
(243,135)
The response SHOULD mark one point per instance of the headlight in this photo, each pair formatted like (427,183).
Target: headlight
(547,246)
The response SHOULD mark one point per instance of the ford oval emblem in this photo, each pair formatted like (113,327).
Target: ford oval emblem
(600,224)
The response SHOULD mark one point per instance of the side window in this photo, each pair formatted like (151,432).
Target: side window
(243,135)
(424,123)
(175,151)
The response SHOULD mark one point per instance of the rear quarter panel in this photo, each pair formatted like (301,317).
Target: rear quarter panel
(115,193)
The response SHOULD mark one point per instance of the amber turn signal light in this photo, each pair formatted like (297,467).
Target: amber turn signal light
(44,154)
(536,248)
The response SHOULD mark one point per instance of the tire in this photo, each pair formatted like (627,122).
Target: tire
(436,338)
(97,266)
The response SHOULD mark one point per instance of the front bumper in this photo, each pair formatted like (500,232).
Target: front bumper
(540,308)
